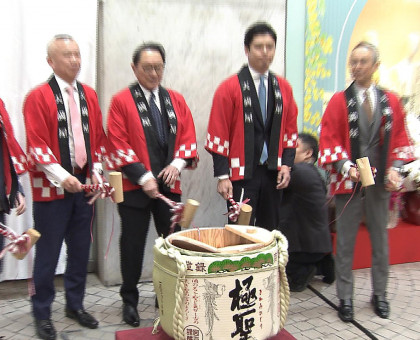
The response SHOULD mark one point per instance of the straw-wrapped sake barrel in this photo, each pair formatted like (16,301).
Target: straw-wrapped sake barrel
(212,283)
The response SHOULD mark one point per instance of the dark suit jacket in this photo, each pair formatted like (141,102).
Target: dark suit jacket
(304,213)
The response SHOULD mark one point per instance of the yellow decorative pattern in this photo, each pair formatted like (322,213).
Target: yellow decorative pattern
(317,46)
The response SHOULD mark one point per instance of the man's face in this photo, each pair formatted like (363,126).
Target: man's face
(362,66)
(149,69)
(303,153)
(261,52)
(64,59)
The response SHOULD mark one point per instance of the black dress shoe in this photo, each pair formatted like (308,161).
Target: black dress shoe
(300,279)
(380,306)
(327,269)
(345,310)
(45,329)
(82,317)
(130,315)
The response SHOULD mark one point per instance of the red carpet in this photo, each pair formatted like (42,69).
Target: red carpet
(146,334)
(403,245)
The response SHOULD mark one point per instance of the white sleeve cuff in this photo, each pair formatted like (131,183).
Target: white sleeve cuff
(55,173)
(223,177)
(98,167)
(179,163)
(143,179)
(346,167)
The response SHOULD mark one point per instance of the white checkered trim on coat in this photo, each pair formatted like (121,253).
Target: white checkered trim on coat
(216,145)
(331,157)
(46,187)
(41,156)
(122,157)
(236,169)
(101,155)
(19,164)
(290,141)
(405,152)
(184,152)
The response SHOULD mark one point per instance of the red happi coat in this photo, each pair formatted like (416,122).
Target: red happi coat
(225,133)
(11,148)
(41,121)
(128,142)
(334,142)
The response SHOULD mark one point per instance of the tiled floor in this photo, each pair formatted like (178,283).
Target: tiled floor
(310,317)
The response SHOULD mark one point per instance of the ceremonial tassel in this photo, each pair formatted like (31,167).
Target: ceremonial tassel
(182,214)
(19,245)
(369,174)
(239,212)
(104,189)
(177,209)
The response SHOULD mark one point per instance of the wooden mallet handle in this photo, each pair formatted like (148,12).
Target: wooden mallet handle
(115,180)
(34,235)
(188,214)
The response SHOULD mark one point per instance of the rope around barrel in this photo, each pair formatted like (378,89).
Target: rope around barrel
(284,293)
(178,324)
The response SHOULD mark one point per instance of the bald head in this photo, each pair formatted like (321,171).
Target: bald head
(63,55)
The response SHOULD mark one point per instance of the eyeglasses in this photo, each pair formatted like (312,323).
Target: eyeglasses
(149,68)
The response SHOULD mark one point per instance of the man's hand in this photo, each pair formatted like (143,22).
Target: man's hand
(169,175)
(94,181)
(394,180)
(151,188)
(72,184)
(224,188)
(283,177)
(354,174)
(20,204)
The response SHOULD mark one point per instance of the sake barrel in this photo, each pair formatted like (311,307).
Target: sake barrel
(237,290)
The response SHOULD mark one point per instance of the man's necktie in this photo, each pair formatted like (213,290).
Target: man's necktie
(367,106)
(76,126)
(157,116)
(262,95)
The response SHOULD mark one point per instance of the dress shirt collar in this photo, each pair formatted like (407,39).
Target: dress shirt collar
(62,84)
(148,93)
(255,75)
(360,93)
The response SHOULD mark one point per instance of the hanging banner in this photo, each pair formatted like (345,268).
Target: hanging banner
(333,28)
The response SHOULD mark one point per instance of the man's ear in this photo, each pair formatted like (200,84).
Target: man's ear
(308,154)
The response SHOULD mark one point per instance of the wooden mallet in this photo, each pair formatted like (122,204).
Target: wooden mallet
(245,214)
(365,171)
(115,180)
(188,213)
(34,236)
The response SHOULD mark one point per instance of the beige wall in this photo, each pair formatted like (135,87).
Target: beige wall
(204,44)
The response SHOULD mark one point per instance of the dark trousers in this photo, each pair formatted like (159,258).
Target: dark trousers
(67,219)
(134,229)
(265,199)
(300,264)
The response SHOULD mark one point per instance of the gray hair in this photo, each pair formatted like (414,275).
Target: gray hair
(58,37)
(370,47)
